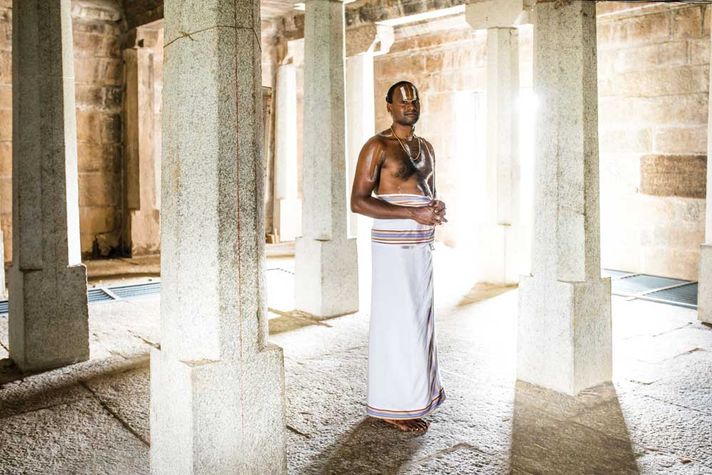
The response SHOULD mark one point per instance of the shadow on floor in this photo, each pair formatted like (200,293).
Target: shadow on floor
(483,291)
(554,433)
(288,321)
(371,446)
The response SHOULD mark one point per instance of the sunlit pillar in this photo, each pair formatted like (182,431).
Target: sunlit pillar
(363,44)
(48,324)
(287,205)
(502,228)
(326,259)
(564,325)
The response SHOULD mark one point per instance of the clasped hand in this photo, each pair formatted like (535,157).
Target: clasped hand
(432,215)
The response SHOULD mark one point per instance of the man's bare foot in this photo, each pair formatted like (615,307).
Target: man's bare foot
(409,425)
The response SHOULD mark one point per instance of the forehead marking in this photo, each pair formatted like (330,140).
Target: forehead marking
(408,93)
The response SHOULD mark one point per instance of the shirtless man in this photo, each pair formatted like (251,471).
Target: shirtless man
(399,167)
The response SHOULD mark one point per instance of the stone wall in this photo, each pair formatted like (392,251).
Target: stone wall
(653,94)
(98,72)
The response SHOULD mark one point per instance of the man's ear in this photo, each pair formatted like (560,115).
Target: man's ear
(388,107)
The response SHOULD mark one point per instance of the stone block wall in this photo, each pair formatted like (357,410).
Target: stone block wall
(653,95)
(98,73)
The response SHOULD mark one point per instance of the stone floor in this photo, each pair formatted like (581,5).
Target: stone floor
(655,418)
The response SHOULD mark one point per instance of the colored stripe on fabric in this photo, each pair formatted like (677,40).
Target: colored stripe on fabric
(408,414)
(404,236)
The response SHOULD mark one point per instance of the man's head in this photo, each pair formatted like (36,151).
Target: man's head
(403,103)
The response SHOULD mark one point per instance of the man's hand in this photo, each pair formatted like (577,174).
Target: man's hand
(429,215)
(440,210)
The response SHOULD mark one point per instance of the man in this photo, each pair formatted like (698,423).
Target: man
(403,379)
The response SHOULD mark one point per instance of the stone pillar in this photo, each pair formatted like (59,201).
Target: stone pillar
(143,62)
(564,334)
(217,386)
(287,205)
(704,289)
(48,308)
(501,232)
(326,259)
(364,43)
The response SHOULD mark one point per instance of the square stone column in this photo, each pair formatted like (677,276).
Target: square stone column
(500,236)
(48,324)
(704,287)
(143,62)
(564,334)
(326,259)
(217,386)
(363,44)
(287,205)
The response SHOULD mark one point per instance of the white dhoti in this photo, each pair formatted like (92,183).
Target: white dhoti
(403,377)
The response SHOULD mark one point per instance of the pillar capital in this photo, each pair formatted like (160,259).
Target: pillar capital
(483,14)
(371,38)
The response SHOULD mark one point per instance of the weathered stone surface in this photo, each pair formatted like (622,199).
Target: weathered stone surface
(100,443)
(217,387)
(564,322)
(673,175)
(48,313)
(127,396)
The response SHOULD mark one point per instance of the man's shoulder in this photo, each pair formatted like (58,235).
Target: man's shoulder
(378,140)
(427,144)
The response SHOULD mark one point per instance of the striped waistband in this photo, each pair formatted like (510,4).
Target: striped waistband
(402,231)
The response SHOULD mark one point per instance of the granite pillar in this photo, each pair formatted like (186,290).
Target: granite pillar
(217,385)
(326,259)
(143,62)
(564,333)
(287,205)
(704,286)
(48,324)
(502,228)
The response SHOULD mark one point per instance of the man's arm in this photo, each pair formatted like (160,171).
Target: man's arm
(368,169)
(436,204)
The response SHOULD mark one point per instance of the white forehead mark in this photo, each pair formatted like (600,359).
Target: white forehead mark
(408,93)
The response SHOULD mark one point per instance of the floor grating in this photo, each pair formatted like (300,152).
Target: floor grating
(625,284)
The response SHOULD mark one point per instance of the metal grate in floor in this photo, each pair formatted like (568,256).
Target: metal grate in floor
(98,295)
(109,293)
(636,284)
(615,274)
(683,295)
(136,290)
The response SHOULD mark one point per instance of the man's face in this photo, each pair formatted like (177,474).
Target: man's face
(405,108)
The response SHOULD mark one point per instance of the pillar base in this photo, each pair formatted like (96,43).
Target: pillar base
(326,277)
(49,317)
(564,333)
(218,417)
(704,289)
(499,255)
(288,218)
